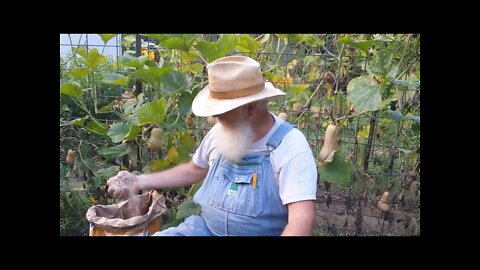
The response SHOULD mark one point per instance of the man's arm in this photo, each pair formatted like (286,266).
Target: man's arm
(301,219)
(179,176)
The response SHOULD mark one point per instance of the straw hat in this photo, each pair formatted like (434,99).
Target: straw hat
(233,81)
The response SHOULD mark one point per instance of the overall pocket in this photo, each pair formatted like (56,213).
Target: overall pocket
(238,189)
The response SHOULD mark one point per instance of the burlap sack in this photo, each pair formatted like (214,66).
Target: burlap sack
(117,219)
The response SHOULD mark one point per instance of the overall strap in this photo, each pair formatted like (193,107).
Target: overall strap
(278,135)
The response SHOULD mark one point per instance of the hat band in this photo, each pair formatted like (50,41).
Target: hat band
(237,93)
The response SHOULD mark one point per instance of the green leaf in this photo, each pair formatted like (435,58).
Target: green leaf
(294,38)
(362,152)
(338,171)
(382,65)
(297,92)
(196,68)
(364,94)
(106,37)
(72,90)
(106,173)
(187,143)
(129,105)
(64,172)
(140,99)
(393,71)
(416,128)
(177,43)
(152,76)
(185,104)
(131,61)
(133,132)
(75,122)
(247,43)
(194,188)
(207,49)
(214,50)
(83,162)
(408,85)
(158,165)
(174,81)
(82,51)
(363,45)
(115,78)
(152,112)
(226,44)
(118,131)
(96,127)
(94,59)
(396,115)
(414,118)
(129,39)
(188,208)
(95,182)
(290,38)
(106,108)
(385,104)
(64,108)
(157,37)
(313,40)
(79,73)
(115,151)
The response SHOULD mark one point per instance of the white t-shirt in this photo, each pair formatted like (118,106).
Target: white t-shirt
(292,162)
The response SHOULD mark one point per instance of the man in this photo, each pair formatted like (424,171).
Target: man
(260,174)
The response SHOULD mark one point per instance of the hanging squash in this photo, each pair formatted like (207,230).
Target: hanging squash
(155,142)
(329,145)
(71,156)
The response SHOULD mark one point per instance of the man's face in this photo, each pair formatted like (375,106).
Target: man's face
(234,136)
(232,118)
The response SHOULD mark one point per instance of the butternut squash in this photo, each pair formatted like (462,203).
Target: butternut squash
(155,142)
(71,156)
(329,144)
(383,204)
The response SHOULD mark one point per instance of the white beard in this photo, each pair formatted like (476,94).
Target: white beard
(233,143)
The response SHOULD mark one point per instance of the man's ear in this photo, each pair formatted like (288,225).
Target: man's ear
(251,108)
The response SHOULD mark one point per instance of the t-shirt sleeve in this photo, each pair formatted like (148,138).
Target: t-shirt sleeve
(298,179)
(202,154)
(296,168)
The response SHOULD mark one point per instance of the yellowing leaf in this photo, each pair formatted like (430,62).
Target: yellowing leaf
(364,132)
(326,123)
(343,122)
(286,80)
(328,88)
(172,154)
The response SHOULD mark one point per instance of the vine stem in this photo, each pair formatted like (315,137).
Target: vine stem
(309,99)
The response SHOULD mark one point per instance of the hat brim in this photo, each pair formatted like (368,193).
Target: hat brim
(205,105)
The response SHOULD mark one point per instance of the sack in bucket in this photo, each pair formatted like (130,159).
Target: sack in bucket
(137,216)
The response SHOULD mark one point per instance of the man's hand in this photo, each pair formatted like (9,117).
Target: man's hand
(123,185)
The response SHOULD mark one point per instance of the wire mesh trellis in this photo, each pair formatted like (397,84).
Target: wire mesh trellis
(398,174)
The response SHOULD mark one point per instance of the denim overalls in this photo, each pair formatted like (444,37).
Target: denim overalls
(239,199)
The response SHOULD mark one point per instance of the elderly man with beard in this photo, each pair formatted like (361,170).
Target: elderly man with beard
(259,173)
